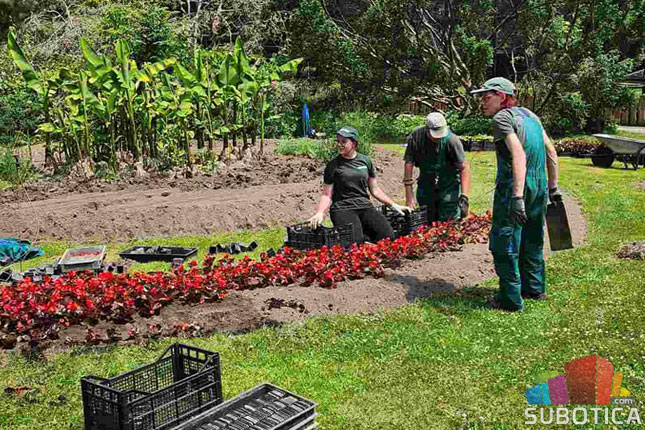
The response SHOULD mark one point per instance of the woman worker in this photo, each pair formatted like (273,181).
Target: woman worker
(346,182)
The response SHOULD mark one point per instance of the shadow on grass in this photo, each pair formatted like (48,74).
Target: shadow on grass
(441,293)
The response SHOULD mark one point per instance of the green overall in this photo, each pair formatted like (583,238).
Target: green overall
(439,182)
(517,250)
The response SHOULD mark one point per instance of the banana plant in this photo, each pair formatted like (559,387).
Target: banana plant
(227,81)
(148,101)
(179,107)
(125,73)
(196,84)
(33,81)
(268,75)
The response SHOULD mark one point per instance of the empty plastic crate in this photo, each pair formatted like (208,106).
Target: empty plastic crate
(303,237)
(265,407)
(403,225)
(88,258)
(180,384)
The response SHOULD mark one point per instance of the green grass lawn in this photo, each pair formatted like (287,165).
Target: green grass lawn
(440,363)
(631,134)
(272,238)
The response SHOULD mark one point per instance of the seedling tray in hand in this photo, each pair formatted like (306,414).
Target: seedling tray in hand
(183,382)
(303,237)
(145,254)
(265,407)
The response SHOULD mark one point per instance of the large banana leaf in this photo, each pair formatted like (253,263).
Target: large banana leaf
(186,77)
(31,77)
(123,56)
(242,66)
(227,74)
(200,70)
(90,99)
(291,66)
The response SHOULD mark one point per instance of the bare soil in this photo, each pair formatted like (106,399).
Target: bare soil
(632,251)
(142,210)
(277,190)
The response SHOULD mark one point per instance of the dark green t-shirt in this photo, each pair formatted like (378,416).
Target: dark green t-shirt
(349,178)
(420,147)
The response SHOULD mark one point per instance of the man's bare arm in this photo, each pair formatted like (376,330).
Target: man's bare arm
(519,164)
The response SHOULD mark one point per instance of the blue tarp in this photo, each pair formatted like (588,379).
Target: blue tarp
(17,250)
(305,119)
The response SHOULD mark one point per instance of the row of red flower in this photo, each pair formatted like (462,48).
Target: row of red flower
(36,308)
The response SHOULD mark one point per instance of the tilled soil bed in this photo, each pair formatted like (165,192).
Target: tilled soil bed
(255,194)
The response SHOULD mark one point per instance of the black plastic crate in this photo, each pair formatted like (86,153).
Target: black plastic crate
(303,237)
(405,224)
(180,384)
(265,407)
(479,144)
(145,254)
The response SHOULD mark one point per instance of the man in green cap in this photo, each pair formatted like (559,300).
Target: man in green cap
(444,175)
(524,155)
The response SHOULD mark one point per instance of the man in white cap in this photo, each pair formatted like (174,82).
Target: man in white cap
(444,174)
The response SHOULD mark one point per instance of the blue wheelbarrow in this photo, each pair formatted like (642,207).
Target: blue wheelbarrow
(625,149)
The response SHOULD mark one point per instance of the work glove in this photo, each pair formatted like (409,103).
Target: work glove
(401,210)
(555,196)
(316,220)
(518,212)
(463,205)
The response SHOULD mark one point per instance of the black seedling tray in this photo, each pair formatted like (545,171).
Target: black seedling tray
(183,382)
(303,237)
(145,254)
(404,225)
(232,248)
(265,407)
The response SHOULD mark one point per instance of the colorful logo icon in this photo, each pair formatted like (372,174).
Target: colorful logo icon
(588,380)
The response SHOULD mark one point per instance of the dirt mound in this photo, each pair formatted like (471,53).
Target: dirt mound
(271,169)
(632,251)
(277,191)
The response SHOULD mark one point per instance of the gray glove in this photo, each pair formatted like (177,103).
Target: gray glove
(518,212)
(555,196)
(463,205)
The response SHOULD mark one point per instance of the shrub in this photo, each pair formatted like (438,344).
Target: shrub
(285,125)
(322,149)
(14,171)
(19,113)
(577,145)
(469,126)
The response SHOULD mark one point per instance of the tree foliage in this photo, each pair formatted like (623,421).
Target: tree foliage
(566,56)
(561,53)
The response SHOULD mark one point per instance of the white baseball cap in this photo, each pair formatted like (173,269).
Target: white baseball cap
(437,125)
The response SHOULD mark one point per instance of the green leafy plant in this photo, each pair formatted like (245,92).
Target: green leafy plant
(314,148)
(143,111)
(15,171)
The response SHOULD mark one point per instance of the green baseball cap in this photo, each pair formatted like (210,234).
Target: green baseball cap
(349,132)
(496,84)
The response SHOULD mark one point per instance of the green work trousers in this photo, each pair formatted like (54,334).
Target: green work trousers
(518,250)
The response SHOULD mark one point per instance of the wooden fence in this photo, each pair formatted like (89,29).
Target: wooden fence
(635,115)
